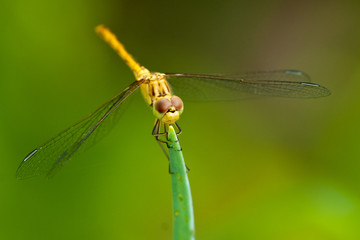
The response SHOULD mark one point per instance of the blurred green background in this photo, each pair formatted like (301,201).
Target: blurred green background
(263,169)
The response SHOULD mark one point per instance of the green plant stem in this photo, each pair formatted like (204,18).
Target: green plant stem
(183,213)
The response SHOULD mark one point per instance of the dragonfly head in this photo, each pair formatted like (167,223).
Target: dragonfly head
(168,109)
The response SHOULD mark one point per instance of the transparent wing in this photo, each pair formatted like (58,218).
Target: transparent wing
(48,158)
(225,87)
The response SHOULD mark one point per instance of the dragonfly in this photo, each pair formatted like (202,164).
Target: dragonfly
(166,107)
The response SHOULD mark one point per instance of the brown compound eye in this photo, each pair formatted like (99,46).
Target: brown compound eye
(162,105)
(177,102)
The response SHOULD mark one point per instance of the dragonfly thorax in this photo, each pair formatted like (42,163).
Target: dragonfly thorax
(154,87)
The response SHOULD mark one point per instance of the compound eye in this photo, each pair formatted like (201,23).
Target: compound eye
(162,105)
(177,102)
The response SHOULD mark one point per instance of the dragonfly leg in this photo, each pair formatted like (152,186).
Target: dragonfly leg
(156,129)
(157,134)
(162,147)
(161,130)
(178,128)
(158,125)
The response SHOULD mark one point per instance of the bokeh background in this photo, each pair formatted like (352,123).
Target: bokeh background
(260,169)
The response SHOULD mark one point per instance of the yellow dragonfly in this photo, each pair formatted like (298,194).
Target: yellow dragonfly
(166,107)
